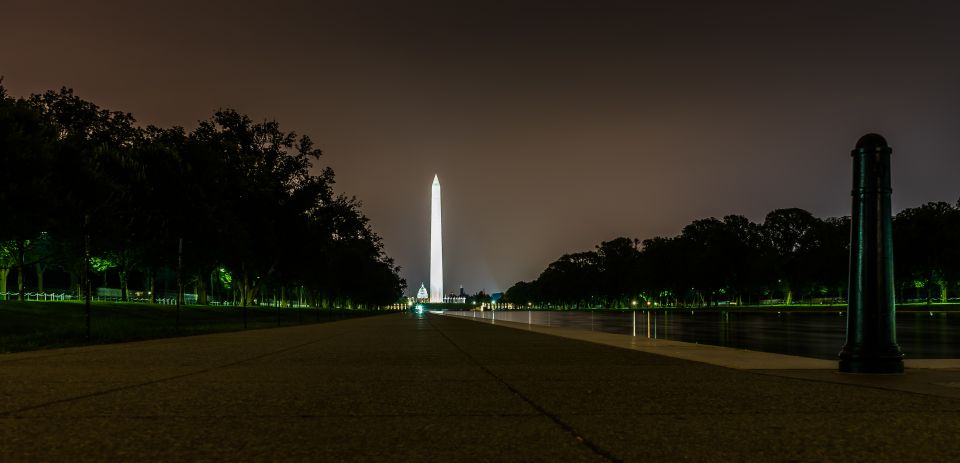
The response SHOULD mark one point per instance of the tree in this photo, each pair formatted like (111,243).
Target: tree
(83,184)
(26,142)
(522,294)
(571,280)
(617,265)
(479,298)
(41,254)
(663,270)
(91,174)
(171,204)
(926,247)
(8,261)
(355,270)
(708,248)
(264,168)
(827,261)
(790,235)
(744,258)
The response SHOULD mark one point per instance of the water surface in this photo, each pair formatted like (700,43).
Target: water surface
(806,334)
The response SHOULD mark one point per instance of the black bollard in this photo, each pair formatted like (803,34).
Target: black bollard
(871,345)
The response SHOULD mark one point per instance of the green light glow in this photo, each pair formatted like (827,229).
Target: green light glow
(225,278)
(101,265)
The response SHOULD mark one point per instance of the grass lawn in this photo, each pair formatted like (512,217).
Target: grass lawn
(36,325)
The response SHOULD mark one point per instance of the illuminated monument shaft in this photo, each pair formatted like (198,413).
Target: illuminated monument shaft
(436,246)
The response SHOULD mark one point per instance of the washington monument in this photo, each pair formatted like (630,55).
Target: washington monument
(436,246)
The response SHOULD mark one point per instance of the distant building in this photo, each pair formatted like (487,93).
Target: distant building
(422,294)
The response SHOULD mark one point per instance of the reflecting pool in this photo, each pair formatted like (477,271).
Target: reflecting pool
(818,334)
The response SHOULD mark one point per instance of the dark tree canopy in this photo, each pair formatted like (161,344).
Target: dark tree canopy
(257,224)
(927,250)
(791,256)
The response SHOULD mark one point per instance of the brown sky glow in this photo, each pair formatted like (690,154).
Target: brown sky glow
(553,125)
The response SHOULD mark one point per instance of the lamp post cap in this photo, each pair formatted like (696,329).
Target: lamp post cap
(871,142)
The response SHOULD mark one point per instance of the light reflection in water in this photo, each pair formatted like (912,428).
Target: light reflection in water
(808,334)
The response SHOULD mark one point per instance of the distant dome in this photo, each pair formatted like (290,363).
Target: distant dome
(871,142)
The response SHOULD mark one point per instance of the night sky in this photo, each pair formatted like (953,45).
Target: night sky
(553,125)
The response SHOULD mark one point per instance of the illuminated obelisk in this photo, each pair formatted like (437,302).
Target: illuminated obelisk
(436,246)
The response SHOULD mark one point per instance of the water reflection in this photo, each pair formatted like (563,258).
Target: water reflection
(807,334)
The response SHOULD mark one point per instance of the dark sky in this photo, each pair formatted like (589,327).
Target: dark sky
(553,125)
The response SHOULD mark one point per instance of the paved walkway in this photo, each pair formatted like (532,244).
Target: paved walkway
(444,389)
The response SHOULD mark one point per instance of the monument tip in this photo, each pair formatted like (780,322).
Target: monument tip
(871,142)
(436,179)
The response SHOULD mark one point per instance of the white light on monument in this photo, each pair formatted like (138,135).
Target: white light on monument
(436,246)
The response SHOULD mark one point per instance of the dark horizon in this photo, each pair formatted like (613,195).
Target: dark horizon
(552,125)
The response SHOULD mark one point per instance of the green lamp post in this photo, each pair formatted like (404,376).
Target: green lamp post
(871,345)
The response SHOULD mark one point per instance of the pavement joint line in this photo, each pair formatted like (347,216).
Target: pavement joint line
(9,413)
(597,450)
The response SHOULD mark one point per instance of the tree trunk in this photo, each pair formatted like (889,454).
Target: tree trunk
(152,287)
(123,285)
(74,279)
(4,272)
(243,296)
(180,300)
(20,252)
(201,290)
(40,270)
(243,290)
(20,291)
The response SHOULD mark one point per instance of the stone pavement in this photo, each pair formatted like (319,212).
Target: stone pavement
(399,388)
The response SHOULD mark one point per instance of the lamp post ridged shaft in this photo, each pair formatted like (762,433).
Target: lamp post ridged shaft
(871,345)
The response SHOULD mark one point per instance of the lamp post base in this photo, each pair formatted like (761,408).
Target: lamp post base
(889,362)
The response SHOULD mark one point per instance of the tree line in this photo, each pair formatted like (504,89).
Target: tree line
(791,257)
(231,207)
